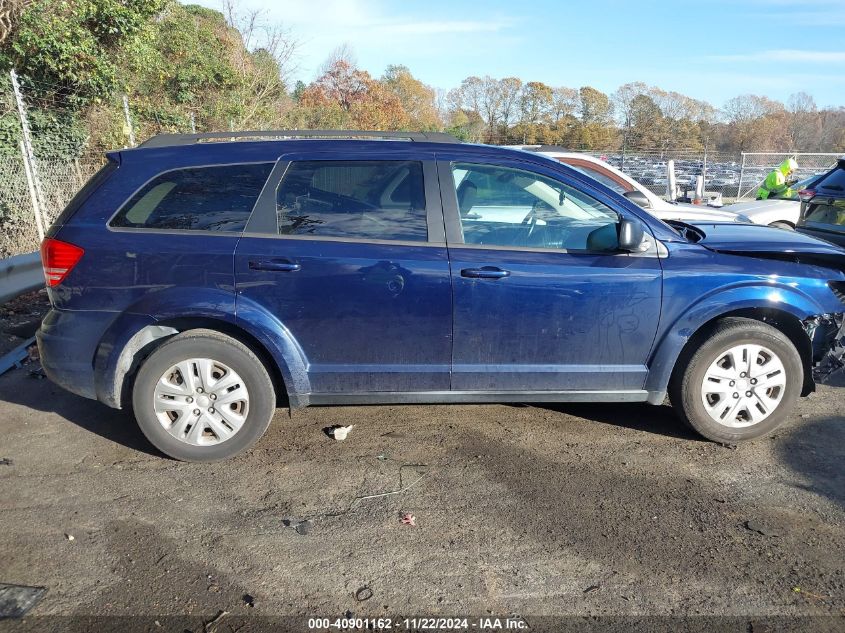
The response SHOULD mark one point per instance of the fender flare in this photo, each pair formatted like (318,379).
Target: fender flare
(667,350)
(154,316)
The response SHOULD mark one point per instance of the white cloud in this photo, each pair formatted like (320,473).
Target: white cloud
(383,31)
(785,55)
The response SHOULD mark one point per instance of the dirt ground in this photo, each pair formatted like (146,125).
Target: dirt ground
(577,510)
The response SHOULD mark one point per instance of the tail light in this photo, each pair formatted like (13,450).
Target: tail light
(58,259)
(805,195)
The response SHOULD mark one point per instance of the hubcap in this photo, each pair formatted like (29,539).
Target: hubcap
(743,386)
(201,401)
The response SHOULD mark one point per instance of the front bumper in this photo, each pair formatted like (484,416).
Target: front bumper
(827,335)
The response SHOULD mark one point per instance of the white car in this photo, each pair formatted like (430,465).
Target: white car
(623,184)
(780,213)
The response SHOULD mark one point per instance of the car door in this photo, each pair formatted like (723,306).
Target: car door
(543,299)
(347,250)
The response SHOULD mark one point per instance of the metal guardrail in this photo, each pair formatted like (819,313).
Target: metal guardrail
(20,274)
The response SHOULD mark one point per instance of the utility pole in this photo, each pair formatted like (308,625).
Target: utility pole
(129,127)
(30,166)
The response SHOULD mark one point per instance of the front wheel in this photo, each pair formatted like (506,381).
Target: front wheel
(740,383)
(203,396)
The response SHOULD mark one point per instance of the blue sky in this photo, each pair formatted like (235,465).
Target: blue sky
(711,50)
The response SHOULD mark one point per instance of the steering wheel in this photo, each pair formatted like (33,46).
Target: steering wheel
(538,208)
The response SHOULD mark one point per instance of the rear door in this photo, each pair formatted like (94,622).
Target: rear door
(348,251)
(543,301)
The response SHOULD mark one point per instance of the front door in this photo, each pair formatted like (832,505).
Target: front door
(350,256)
(543,298)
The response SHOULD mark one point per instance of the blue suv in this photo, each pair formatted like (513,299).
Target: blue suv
(205,280)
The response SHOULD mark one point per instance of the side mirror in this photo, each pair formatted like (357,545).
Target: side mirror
(630,235)
(638,198)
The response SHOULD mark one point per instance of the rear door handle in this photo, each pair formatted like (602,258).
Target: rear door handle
(277,265)
(485,272)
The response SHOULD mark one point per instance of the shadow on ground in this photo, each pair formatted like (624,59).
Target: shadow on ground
(21,388)
(816,453)
(660,420)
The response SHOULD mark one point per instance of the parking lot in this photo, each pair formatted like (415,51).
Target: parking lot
(553,510)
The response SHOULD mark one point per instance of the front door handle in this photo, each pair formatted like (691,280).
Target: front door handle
(485,272)
(277,265)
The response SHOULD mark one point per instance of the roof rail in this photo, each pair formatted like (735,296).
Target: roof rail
(167,140)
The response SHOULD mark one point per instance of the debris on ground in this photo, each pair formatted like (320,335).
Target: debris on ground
(37,373)
(760,528)
(337,432)
(6,461)
(17,600)
(70,537)
(408,518)
(592,588)
(302,526)
(211,625)
(33,353)
(807,593)
(15,357)
(363,594)
(249,600)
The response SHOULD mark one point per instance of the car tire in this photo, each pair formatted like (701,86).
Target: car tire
(223,407)
(782,225)
(712,388)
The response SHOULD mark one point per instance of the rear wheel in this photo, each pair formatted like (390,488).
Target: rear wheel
(740,383)
(203,396)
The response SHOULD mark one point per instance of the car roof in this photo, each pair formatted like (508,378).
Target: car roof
(228,150)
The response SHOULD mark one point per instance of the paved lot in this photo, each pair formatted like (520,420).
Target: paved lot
(586,510)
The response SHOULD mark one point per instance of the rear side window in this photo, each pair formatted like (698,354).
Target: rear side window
(83,194)
(218,198)
(834,181)
(365,200)
(831,214)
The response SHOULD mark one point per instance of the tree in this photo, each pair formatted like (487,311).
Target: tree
(623,100)
(416,98)
(509,91)
(534,106)
(10,12)
(344,96)
(646,122)
(73,44)
(755,123)
(804,127)
(595,130)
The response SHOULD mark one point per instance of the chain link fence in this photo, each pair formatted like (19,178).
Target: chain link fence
(60,180)
(733,176)
(757,165)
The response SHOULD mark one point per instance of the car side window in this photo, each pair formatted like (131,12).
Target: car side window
(216,198)
(832,214)
(503,206)
(364,200)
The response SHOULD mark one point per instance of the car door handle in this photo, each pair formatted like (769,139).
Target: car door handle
(485,272)
(278,265)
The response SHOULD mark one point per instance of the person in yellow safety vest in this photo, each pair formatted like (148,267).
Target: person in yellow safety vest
(778,184)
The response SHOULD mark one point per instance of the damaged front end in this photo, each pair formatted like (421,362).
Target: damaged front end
(827,336)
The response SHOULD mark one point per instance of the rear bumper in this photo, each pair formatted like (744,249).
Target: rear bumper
(67,343)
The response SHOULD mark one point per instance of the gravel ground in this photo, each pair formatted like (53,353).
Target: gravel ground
(577,510)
